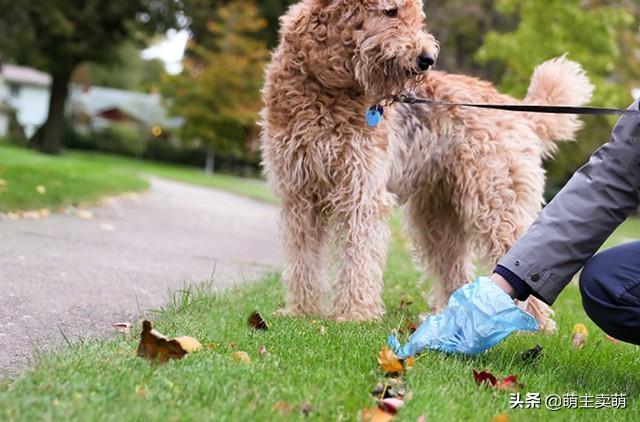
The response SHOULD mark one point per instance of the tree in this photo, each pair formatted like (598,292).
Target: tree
(591,33)
(128,70)
(58,36)
(218,93)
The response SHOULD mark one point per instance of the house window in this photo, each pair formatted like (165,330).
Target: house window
(14,90)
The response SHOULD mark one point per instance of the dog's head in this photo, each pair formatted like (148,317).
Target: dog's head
(377,46)
(393,46)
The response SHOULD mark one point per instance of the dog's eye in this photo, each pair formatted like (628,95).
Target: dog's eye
(392,13)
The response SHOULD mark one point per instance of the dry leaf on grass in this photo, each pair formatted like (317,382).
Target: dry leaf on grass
(263,351)
(532,354)
(389,362)
(123,327)
(256,321)
(376,415)
(509,383)
(500,418)
(241,357)
(410,362)
(155,346)
(579,335)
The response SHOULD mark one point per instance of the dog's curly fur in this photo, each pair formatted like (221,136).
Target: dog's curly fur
(472,180)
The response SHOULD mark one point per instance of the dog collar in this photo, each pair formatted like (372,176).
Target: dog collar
(374,115)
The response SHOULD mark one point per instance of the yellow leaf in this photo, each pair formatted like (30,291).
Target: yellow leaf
(500,418)
(580,329)
(389,362)
(410,362)
(141,391)
(189,344)
(41,189)
(241,357)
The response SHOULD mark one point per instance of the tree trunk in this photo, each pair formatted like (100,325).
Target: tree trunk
(49,138)
(211,157)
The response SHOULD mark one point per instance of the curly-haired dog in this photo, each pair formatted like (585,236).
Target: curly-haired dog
(472,180)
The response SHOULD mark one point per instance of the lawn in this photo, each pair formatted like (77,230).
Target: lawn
(32,181)
(327,367)
(29,180)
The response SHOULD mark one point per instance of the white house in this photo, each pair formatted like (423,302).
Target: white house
(26,91)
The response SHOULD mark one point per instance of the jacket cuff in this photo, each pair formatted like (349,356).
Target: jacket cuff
(523,291)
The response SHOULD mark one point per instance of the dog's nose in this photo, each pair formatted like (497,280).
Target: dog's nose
(425,61)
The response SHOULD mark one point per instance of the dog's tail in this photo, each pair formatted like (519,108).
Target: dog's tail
(558,82)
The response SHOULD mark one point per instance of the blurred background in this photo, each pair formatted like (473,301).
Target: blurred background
(178,80)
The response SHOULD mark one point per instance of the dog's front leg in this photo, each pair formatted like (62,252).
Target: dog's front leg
(364,239)
(303,231)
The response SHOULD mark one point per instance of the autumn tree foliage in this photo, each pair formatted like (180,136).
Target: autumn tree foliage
(603,36)
(218,92)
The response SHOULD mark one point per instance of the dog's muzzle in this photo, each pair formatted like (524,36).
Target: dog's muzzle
(425,61)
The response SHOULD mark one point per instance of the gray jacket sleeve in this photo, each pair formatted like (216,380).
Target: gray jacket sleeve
(597,199)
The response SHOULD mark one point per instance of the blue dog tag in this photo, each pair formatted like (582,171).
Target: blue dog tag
(374,116)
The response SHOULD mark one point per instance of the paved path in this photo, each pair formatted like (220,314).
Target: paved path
(79,276)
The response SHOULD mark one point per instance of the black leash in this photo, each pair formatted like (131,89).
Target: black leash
(549,109)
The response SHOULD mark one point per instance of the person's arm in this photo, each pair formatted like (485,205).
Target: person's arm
(597,199)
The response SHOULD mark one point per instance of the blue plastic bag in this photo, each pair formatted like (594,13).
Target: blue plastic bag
(479,316)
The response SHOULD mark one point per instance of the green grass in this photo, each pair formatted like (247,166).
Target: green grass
(66,180)
(81,177)
(334,372)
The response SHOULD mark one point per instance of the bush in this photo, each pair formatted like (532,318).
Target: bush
(122,139)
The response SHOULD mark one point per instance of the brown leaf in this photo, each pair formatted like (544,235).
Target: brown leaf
(241,357)
(485,377)
(532,354)
(123,327)
(389,362)
(256,322)
(376,415)
(283,407)
(500,418)
(155,346)
(410,362)
(509,383)
(411,326)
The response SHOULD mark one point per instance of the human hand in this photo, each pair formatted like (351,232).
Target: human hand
(479,316)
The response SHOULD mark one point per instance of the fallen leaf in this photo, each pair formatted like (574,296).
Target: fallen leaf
(411,326)
(421,418)
(256,321)
(391,405)
(384,391)
(389,362)
(263,351)
(509,383)
(322,330)
(123,327)
(155,346)
(532,354)
(410,362)
(500,418)
(306,408)
(212,346)
(579,337)
(189,344)
(241,357)
(376,415)
(141,391)
(233,345)
(85,214)
(41,189)
(3,182)
(283,407)
(484,377)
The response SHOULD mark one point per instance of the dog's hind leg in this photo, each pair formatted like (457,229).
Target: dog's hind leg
(303,232)
(441,245)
